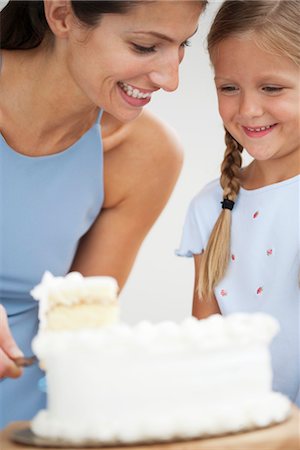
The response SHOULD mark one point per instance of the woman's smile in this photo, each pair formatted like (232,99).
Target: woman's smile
(133,91)
(133,96)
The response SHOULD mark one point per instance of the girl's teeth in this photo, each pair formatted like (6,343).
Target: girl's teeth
(259,129)
(133,92)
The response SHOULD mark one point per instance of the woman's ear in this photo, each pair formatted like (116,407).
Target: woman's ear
(59,16)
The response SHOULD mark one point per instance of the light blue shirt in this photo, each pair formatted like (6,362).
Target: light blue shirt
(263,273)
(47,204)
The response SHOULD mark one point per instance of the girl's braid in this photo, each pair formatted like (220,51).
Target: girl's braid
(230,168)
(216,256)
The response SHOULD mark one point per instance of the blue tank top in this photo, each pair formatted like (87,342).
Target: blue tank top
(47,204)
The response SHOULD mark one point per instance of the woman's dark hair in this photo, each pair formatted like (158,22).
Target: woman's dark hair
(23,24)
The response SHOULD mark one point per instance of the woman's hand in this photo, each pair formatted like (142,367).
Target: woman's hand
(8,349)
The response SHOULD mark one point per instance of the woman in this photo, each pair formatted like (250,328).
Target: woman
(76,196)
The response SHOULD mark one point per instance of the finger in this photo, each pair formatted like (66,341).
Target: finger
(7,342)
(8,368)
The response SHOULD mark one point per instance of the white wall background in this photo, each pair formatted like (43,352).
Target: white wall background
(161,284)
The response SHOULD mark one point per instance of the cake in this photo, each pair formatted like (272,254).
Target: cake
(117,383)
(75,302)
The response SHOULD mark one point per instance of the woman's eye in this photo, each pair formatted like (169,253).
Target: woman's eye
(142,49)
(186,44)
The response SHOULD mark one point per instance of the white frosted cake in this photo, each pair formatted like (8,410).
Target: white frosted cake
(157,382)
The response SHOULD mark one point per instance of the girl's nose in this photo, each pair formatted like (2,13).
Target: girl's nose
(250,105)
(165,75)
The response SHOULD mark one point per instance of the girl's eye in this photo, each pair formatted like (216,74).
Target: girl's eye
(228,89)
(272,89)
(141,49)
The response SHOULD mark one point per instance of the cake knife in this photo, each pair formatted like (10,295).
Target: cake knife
(25,361)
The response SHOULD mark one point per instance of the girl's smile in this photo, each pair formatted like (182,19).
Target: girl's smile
(258,131)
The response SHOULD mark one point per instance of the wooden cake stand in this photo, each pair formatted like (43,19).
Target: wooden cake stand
(284,436)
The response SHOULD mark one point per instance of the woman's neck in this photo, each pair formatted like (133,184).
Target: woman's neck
(37,92)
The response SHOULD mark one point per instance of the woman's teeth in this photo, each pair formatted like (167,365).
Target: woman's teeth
(133,92)
(260,128)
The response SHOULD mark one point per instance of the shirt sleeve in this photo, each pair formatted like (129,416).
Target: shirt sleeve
(191,240)
(201,216)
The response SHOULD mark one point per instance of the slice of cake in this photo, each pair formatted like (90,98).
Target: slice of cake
(75,302)
(151,382)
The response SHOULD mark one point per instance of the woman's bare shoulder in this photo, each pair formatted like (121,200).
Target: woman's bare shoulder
(155,134)
(145,152)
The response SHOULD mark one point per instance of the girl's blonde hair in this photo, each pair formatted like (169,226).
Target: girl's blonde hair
(274,27)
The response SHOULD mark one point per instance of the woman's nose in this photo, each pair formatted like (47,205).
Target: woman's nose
(166,74)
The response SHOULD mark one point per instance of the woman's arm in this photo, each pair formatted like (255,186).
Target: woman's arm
(204,307)
(141,165)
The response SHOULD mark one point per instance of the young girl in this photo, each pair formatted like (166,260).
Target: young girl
(243,230)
